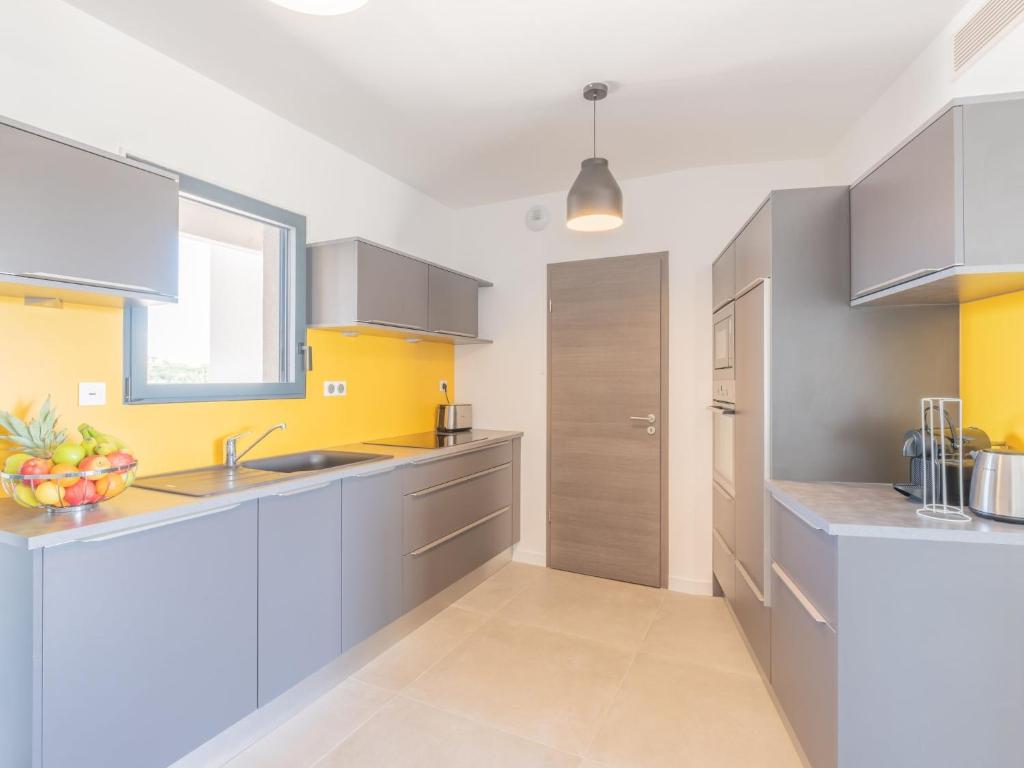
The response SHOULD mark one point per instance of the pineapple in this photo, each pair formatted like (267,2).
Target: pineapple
(39,437)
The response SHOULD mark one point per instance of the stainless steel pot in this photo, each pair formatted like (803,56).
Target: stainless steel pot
(997,485)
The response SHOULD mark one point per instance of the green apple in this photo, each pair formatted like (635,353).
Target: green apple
(68,453)
(14,462)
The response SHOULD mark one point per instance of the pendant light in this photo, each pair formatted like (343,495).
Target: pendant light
(321,7)
(595,200)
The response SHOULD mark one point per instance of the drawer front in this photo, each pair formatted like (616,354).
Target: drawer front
(723,564)
(428,571)
(723,509)
(808,557)
(754,617)
(424,473)
(804,672)
(434,512)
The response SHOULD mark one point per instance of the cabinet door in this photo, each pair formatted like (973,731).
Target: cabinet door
(754,248)
(723,278)
(76,216)
(371,554)
(392,288)
(299,586)
(749,425)
(904,216)
(453,303)
(149,641)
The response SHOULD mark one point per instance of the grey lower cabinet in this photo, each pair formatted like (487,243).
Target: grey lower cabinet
(453,303)
(148,641)
(371,560)
(300,537)
(82,219)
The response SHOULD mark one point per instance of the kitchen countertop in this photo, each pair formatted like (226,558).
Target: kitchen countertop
(876,510)
(137,508)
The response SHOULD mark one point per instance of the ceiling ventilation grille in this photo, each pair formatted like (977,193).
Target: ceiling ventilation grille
(993,18)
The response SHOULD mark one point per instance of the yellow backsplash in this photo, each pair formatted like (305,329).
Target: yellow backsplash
(392,389)
(992,366)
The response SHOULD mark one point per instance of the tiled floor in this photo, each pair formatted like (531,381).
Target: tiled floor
(544,669)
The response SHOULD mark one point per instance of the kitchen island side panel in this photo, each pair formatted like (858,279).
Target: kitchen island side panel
(930,668)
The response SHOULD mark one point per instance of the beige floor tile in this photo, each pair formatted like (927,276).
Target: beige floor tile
(698,630)
(673,715)
(542,685)
(415,654)
(412,735)
(598,609)
(317,729)
(501,587)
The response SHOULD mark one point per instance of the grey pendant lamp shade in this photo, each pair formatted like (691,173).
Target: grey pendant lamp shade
(595,199)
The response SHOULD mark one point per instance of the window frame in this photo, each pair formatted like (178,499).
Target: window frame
(138,390)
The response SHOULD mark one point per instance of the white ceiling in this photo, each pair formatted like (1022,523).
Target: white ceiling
(474,101)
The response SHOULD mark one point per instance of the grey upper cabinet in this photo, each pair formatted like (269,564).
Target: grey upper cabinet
(453,304)
(375,290)
(83,220)
(938,221)
(149,641)
(753,248)
(371,554)
(299,586)
(723,278)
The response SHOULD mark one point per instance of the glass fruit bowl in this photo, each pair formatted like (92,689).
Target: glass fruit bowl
(68,491)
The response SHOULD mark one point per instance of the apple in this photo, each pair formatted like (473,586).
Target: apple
(50,494)
(82,492)
(36,467)
(14,462)
(68,453)
(120,459)
(92,463)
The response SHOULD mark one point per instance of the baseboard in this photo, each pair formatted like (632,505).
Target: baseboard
(689,586)
(529,557)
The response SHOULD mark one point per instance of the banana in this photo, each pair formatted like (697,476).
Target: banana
(104,443)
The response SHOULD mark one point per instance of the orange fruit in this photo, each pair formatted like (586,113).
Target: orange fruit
(60,469)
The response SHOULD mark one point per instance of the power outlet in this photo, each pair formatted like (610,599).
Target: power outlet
(335,389)
(443,386)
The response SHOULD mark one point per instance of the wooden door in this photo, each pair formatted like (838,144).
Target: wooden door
(607,372)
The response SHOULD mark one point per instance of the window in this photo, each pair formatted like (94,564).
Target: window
(238,329)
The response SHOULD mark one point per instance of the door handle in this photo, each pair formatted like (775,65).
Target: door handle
(650,418)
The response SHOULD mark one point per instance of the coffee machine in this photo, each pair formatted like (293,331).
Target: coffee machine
(925,454)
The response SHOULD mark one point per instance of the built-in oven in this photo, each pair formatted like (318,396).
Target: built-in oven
(724,342)
(723,469)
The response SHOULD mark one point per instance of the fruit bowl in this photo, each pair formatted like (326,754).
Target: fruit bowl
(68,491)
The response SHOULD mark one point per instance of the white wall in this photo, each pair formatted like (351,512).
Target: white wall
(66,72)
(691,214)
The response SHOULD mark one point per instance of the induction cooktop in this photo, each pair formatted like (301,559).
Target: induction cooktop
(427,440)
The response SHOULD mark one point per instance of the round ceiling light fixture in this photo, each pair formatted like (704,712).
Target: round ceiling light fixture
(321,7)
(594,203)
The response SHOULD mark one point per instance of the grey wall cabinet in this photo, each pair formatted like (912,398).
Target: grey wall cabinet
(392,288)
(936,220)
(299,586)
(453,303)
(753,246)
(149,641)
(723,278)
(371,514)
(81,219)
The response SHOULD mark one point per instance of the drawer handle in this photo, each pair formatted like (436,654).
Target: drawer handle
(807,604)
(750,286)
(405,326)
(303,490)
(463,334)
(750,582)
(722,541)
(454,534)
(375,472)
(460,481)
(432,459)
(161,524)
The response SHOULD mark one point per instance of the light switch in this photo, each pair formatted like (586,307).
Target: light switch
(92,393)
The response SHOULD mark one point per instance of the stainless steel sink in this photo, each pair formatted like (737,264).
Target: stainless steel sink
(310,461)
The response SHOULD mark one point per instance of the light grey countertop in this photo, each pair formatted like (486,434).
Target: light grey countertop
(876,510)
(139,508)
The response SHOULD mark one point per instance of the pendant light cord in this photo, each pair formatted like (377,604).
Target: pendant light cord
(595,127)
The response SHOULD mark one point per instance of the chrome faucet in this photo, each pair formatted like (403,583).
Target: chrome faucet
(231,454)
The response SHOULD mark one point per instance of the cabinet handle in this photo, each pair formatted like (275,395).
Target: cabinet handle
(88,281)
(463,334)
(750,286)
(304,490)
(722,541)
(375,472)
(722,410)
(454,534)
(460,481)
(397,325)
(750,582)
(795,591)
(432,459)
(895,281)
(161,524)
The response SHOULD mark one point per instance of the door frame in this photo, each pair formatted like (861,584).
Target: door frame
(663,259)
